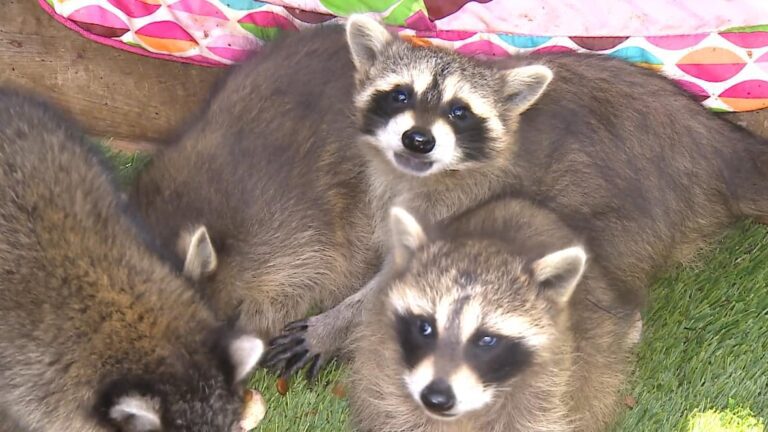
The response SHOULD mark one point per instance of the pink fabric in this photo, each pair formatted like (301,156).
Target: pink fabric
(202,61)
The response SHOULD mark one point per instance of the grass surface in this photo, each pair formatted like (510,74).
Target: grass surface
(702,365)
(736,420)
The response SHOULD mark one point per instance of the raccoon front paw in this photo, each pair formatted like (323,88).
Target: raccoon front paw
(292,351)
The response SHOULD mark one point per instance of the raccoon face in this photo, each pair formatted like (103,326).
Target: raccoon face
(470,319)
(428,110)
(206,396)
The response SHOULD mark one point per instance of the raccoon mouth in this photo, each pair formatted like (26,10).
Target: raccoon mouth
(441,416)
(413,163)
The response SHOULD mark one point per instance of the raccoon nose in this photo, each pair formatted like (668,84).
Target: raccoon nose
(418,141)
(438,396)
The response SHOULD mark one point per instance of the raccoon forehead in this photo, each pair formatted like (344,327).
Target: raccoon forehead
(408,301)
(479,94)
(418,79)
(526,328)
(467,315)
(479,98)
(465,304)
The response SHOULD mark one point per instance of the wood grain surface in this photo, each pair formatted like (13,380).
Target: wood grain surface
(110,91)
(137,100)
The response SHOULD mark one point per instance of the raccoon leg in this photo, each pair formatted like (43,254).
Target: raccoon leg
(317,339)
(267,317)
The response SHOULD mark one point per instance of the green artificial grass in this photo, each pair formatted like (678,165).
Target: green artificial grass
(702,365)
(731,419)
(127,165)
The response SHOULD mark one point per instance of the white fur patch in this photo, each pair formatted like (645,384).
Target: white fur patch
(389,140)
(469,390)
(390,137)
(406,301)
(420,377)
(420,80)
(516,327)
(471,319)
(454,87)
(382,84)
(446,151)
(144,412)
(201,259)
(405,228)
(568,264)
(245,353)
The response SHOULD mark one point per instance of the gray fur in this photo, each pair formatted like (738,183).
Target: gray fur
(575,378)
(295,198)
(272,169)
(624,155)
(97,333)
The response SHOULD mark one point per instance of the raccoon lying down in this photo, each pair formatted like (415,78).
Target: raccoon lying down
(496,320)
(647,176)
(97,332)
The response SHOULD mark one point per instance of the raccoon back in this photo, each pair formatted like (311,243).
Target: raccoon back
(82,296)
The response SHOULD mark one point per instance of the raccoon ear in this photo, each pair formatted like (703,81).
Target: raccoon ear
(407,235)
(201,257)
(366,37)
(558,273)
(525,85)
(244,354)
(135,413)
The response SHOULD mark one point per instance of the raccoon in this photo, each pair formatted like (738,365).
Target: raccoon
(264,196)
(97,332)
(491,321)
(623,154)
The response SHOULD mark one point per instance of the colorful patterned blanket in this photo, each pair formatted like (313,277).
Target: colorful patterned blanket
(716,49)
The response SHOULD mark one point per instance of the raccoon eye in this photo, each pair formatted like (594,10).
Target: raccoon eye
(459,113)
(487,341)
(399,96)
(424,328)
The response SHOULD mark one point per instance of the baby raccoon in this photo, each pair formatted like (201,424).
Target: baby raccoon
(490,322)
(646,172)
(264,195)
(97,333)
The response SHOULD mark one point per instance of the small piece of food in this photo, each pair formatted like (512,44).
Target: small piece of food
(282,386)
(339,391)
(253,411)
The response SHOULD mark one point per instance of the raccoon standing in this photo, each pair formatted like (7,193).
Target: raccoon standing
(646,172)
(491,321)
(97,333)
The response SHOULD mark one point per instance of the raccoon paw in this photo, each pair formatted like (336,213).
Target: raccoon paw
(291,352)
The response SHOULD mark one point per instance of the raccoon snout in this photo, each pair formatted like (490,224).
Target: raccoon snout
(418,140)
(438,396)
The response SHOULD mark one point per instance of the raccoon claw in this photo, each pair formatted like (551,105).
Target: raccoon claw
(296,326)
(299,346)
(286,341)
(314,368)
(295,363)
(281,353)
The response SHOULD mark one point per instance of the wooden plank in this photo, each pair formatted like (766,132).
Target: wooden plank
(118,94)
(131,146)
(756,121)
(111,92)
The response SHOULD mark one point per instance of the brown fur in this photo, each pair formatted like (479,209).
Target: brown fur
(272,170)
(294,198)
(575,379)
(646,172)
(88,312)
